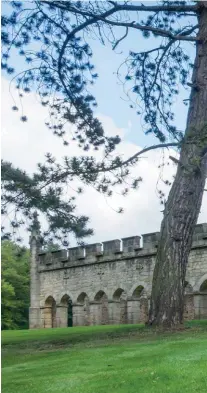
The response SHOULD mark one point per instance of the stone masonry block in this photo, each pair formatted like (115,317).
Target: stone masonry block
(130,244)
(93,249)
(111,247)
(76,253)
(150,240)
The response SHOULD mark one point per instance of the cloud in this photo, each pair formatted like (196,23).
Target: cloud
(25,144)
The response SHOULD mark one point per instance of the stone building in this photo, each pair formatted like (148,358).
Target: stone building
(107,283)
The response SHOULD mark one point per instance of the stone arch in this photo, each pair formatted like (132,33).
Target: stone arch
(138,291)
(189,309)
(119,293)
(99,295)
(200,298)
(65,295)
(100,309)
(118,312)
(50,313)
(81,298)
(65,314)
(82,310)
(200,282)
(138,305)
(203,299)
(147,288)
(203,287)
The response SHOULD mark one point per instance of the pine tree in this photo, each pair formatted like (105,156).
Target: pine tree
(62,68)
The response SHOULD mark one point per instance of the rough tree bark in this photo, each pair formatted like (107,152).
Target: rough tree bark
(185,198)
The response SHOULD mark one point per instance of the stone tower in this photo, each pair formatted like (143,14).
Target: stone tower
(35,247)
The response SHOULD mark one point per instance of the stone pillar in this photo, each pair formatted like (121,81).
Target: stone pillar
(62,316)
(95,312)
(133,311)
(114,312)
(104,311)
(86,311)
(144,312)
(129,311)
(78,317)
(189,310)
(34,310)
(200,301)
(47,317)
(123,311)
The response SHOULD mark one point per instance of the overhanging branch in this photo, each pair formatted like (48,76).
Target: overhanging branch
(159,32)
(102,170)
(127,7)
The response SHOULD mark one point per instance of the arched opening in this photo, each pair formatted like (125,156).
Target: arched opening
(83,317)
(100,295)
(103,309)
(139,307)
(189,309)
(82,298)
(118,293)
(119,310)
(138,292)
(50,313)
(203,300)
(203,287)
(66,314)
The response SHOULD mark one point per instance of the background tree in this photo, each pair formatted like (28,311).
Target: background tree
(14,286)
(15,278)
(52,38)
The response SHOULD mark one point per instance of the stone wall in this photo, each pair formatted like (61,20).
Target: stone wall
(113,285)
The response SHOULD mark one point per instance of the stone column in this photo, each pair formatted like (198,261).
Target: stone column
(86,310)
(144,309)
(133,311)
(47,317)
(95,313)
(189,310)
(200,301)
(78,317)
(62,316)
(114,312)
(123,311)
(34,310)
(104,311)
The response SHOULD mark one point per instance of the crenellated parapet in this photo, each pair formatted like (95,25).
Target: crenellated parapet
(200,234)
(129,247)
(150,240)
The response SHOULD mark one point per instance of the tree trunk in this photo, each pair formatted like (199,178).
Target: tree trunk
(185,198)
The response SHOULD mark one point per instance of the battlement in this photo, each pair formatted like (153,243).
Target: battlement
(113,249)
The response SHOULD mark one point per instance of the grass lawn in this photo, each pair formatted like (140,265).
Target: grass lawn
(105,359)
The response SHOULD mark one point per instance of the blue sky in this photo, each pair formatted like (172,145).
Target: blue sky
(109,93)
(24,144)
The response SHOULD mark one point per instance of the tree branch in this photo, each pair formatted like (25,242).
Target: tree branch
(127,7)
(160,32)
(117,7)
(113,167)
(146,149)
(122,38)
(155,8)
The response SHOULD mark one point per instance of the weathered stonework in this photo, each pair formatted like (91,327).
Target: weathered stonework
(92,286)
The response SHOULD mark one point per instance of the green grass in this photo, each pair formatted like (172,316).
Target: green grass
(105,359)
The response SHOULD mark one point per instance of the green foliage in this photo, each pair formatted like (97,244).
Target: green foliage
(53,40)
(15,286)
(51,247)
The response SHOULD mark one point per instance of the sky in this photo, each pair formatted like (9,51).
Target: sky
(25,144)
